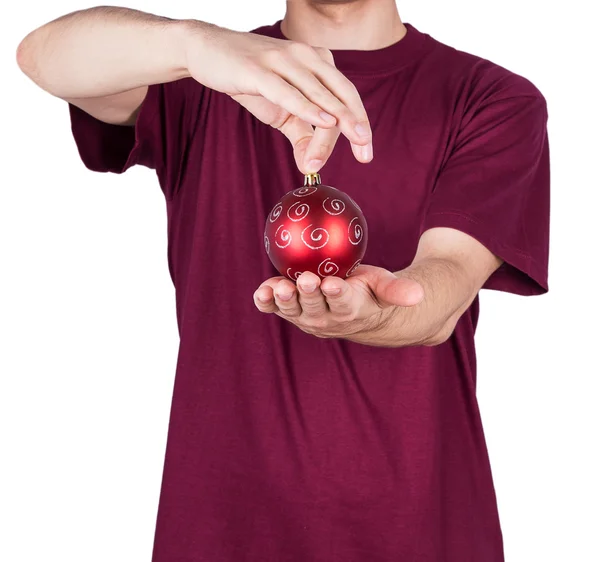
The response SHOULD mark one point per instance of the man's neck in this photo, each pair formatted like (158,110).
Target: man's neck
(359,24)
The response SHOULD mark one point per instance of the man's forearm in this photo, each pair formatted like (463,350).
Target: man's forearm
(449,291)
(104,51)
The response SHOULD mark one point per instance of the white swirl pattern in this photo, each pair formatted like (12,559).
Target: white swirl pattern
(285,236)
(355,237)
(314,237)
(327,267)
(294,276)
(337,206)
(304,191)
(354,266)
(267,244)
(300,210)
(276,212)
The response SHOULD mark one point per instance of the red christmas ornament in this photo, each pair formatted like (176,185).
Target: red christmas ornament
(316,228)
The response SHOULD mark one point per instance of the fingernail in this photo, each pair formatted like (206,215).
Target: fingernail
(309,288)
(332,291)
(361,130)
(284,296)
(264,299)
(367,152)
(314,165)
(327,117)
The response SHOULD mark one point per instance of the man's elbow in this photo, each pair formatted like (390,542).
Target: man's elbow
(23,54)
(26,56)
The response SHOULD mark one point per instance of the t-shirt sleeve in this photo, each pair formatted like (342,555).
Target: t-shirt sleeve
(495,183)
(159,140)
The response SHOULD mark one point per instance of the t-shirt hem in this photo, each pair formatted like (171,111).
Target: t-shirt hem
(111,148)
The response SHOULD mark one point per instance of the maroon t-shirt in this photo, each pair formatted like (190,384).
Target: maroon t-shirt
(283,447)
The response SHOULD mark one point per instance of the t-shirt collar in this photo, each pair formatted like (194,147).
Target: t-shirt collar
(378,61)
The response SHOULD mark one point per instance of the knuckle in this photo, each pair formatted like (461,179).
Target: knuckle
(344,314)
(301,50)
(312,310)
(357,119)
(344,114)
(318,94)
(271,56)
(292,312)
(365,123)
(352,89)
(323,149)
(324,53)
(254,67)
(305,107)
(347,314)
(280,118)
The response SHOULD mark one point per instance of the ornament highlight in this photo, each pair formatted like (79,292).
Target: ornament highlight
(316,228)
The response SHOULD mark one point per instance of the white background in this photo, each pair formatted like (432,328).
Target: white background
(88,337)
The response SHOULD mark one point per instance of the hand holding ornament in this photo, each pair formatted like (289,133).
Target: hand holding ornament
(317,236)
(366,301)
(286,84)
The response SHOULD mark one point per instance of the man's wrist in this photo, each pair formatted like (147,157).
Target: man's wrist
(180,33)
(396,326)
(192,37)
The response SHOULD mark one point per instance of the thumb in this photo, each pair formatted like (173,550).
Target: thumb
(398,291)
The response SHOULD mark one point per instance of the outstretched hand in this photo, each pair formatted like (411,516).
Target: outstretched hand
(335,307)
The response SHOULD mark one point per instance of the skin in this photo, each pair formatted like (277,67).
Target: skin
(286,84)
(419,305)
(294,87)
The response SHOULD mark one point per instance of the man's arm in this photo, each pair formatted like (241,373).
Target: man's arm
(103,60)
(419,305)
(451,267)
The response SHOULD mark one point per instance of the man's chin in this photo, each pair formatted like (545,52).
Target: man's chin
(334,2)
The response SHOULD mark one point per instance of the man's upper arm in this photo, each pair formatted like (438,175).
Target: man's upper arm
(117,109)
(475,261)
(494,184)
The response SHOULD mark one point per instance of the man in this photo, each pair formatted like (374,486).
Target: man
(334,420)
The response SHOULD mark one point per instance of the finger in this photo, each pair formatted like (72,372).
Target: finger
(264,300)
(327,87)
(263,109)
(325,54)
(397,291)
(355,126)
(311,298)
(278,91)
(299,133)
(352,100)
(286,298)
(339,296)
(319,148)
(347,93)
(358,129)
(361,153)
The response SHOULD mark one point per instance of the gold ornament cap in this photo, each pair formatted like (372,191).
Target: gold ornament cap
(312,179)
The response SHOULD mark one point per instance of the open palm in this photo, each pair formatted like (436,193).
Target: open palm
(335,307)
